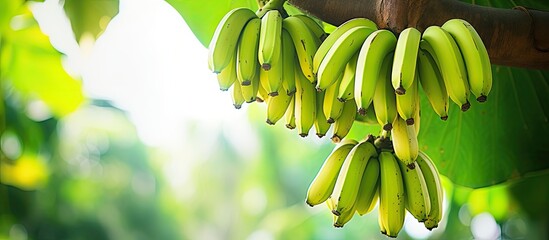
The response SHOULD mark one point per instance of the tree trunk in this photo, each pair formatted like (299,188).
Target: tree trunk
(514,37)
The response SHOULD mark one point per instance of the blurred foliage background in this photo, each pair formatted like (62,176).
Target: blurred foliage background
(75,166)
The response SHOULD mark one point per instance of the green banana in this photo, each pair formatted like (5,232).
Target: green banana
(270,39)
(335,35)
(276,107)
(250,92)
(391,195)
(227,76)
(384,97)
(288,63)
(305,44)
(371,56)
(370,117)
(434,186)
(305,104)
(343,124)
(236,94)
(332,108)
(405,142)
(433,84)
(262,95)
(344,217)
(247,63)
(290,114)
(321,123)
(313,25)
(347,84)
(417,195)
(406,104)
(368,187)
(348,182)
(444,50)
(323,184)
(404,63)
(475,55)
(339,54)
(222,47)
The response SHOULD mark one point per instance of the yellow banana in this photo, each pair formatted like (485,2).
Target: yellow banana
(250,92)
(343,124)
(371,56)
(391,195)
(417,195)
(305,104)
(433,84)
(247,63)
(434,186)
(222,47)
(236,94)
(270,39)
(305,44)
(404,63)
(368,187)
(276,107)
(405,142)
(384,97)
(344,217)
(288,63)
(407,103)
(227,76)
(332,108)
(323,184)
(321,123)
(347,84)
(290,114)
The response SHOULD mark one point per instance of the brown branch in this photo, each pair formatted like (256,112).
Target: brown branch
(514,37)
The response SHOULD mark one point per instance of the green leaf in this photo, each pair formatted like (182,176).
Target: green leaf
(90,16)
(34,69)
(203,17)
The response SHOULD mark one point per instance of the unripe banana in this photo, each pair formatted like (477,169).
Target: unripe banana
(227,76)
(335,35)
(371,56)
(250,92)
(270,39)
(236,94)
(332,108)
(407,103)
(404,63)
(433,84)
(290,114)
(384,96)
(405,142)
(475,55)
(339,54)
(305,104)
(288,63)
(222,48)
(247,63)
(370,117)
(344,217)
(305,44)
(434,186)
(391,195)
(343,124)
(323,184)
(313,25)
(262,95)
(417,195)
(444,50)
(276,107)
(348,182)
(368,187)
(321,123)
(347,85)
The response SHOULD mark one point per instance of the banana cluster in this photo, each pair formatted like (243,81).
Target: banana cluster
(357,176)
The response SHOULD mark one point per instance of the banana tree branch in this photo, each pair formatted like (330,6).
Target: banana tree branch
(514,37)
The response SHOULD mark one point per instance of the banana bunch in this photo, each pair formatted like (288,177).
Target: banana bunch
(358,175)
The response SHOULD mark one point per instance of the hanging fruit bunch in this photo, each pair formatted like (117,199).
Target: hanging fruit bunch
(357,73)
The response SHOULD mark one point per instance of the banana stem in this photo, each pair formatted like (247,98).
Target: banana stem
(271,5)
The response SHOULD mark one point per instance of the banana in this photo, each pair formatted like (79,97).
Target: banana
(305,104)
(290,114)
(288,63)
(222,47)
(323,184)
(444,50)
(373,52)
(406,104)
(347,84)
(276,107)
(433,84)
(262,95)
(236,94)
(339,54)
(370,117)
(475,55)
(391,195)
(227,76)
(434,186)
(417,200)
(417,120)
(344,217)
(335,35)
(247,63)
(270,39)
(305,44)
(331,107)
(405,142)
(381,219)
(384,97)
(404,63)
(321,123)
(348,181)
(368,187)
(274,75)
(250,92)
(313,25)
(343,124)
